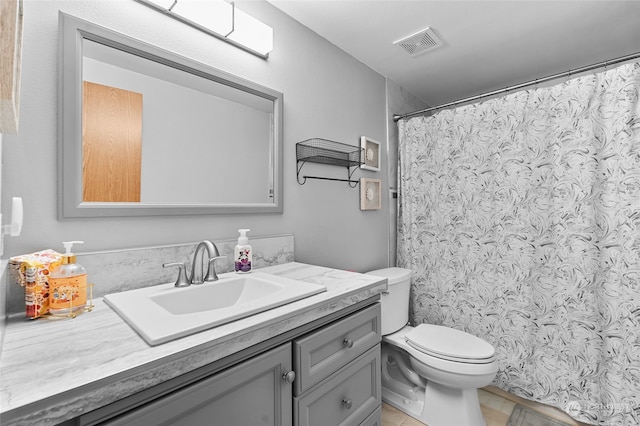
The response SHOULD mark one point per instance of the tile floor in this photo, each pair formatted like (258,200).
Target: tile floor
(495,409)
(496,406)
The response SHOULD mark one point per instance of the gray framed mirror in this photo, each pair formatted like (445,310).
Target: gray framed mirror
(144,131)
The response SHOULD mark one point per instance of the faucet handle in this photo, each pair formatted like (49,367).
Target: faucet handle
(211,270)
(182,280)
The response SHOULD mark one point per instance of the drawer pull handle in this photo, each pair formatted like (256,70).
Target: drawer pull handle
(347,342)
(289,377)
(346,403)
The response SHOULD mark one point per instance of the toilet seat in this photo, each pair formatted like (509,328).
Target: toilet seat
(450,344)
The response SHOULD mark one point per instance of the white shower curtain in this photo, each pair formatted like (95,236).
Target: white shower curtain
(521,219)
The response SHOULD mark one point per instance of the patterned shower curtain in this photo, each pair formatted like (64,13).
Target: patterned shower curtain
(520,217)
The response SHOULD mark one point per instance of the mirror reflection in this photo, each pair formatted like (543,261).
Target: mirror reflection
(161,134)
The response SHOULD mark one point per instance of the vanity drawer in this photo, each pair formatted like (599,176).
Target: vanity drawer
(375,419)
(346,398)
(319,354)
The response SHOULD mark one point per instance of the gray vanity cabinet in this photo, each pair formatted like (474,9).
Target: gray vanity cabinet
(254,392)
(338,372)
(325,373)
(375,419)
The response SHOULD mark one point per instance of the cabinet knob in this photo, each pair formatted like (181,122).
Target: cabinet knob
(289,376)
(347,342)
(346,403)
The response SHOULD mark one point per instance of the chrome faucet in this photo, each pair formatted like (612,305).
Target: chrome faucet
(197,270)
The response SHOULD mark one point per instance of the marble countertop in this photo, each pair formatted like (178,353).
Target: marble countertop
(52,370)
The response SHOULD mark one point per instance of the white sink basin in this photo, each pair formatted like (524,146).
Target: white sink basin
(162,313)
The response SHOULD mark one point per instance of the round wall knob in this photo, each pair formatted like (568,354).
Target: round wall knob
(347,342)
(346,403)
(289,376)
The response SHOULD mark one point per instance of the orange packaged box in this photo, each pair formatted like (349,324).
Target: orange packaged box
(31,271)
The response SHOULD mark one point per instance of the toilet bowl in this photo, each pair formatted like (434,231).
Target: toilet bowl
(429,371)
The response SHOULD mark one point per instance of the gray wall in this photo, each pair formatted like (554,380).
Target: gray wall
(399,101)
(327,94)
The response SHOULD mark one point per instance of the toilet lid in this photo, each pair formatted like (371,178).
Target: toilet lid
(450,344)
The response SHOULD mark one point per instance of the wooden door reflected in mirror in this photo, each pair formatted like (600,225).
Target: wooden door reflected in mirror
(111,143)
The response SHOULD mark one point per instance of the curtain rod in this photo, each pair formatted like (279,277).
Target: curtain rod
(397,117)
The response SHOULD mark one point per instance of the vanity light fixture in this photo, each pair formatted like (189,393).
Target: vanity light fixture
(221,19)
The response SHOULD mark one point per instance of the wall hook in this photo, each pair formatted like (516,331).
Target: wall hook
(15,227)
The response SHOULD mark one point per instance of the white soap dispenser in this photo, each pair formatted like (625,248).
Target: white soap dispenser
(68,284)
(243,253)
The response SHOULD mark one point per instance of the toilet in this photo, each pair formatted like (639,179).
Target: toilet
(430,372)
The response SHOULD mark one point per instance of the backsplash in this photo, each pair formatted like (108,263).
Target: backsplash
(119,270)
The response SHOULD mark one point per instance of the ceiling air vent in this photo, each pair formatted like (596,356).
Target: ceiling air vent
(420,42)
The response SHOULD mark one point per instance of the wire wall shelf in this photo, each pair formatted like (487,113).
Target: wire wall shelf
(328,152)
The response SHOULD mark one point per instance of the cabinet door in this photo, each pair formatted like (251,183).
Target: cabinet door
(252,393)
(347,398)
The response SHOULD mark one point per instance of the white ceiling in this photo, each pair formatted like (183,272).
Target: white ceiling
(488,45)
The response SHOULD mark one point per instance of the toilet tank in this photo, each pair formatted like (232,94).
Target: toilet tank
(395,304)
